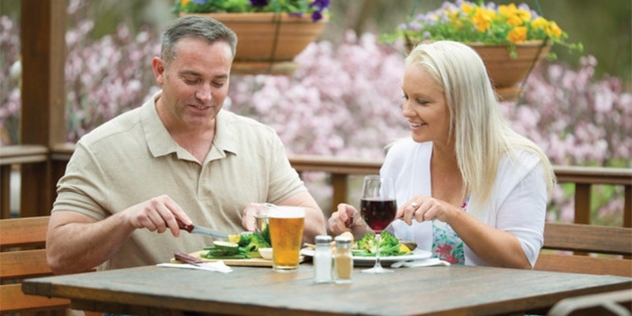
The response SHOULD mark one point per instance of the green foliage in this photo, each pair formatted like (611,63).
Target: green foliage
(367,243)
(389,246)
(240,6)
(250,243)
(224,250)
(247,247)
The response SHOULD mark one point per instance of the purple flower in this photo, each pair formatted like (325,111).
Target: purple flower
(317,15)
(199,1)
(259,3)
(320,4)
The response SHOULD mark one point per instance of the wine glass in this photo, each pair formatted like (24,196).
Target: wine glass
(378,208)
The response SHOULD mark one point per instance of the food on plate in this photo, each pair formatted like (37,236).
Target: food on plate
(227,247)
(252,242)
(389,246)
(404,249)
(410,244)
(234,238)
(246,247)
(348,235)
(266,253)
(187,258)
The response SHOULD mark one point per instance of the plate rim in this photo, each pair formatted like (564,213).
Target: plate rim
(418,254)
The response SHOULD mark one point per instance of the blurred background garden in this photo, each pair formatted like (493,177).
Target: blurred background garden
(344,100)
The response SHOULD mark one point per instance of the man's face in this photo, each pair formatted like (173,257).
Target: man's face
(195,84)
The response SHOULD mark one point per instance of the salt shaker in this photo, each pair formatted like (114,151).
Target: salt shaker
(343,260)
(322,259)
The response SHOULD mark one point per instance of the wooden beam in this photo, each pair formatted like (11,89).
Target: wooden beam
(43,37)
(43,30)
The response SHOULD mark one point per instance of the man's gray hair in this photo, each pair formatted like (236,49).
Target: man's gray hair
(195,26)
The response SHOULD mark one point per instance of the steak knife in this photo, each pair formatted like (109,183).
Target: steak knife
(194,229)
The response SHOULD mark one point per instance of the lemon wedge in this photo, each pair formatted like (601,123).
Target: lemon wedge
(234,238)
(403,249)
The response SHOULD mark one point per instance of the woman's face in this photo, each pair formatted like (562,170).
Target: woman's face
(425,107)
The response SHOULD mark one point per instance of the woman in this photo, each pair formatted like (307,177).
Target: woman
(469,188)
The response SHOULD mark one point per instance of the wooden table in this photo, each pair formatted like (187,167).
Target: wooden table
(454,290)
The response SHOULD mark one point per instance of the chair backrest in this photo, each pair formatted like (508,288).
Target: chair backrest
(22,255)
(610,303)
(611,246)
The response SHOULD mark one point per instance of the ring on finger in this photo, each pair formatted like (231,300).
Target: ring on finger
(414,205)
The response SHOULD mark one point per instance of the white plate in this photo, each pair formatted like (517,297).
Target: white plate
(417,254)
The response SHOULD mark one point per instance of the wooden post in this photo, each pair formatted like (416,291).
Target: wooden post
(627,207)
(5,191)
(339,182)
(582,203)
(43,30)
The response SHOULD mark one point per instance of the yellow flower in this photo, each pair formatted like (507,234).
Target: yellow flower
(507,10)
(466,8)
(452,14)
(482,19)
(517,35)
(553,30)
(455,19)
(524,15)
(540,23)
(183,3)
(514,15)
(514,20)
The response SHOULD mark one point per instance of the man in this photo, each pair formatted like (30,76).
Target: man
(177,157)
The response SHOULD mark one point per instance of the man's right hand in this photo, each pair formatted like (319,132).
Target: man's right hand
(157,214)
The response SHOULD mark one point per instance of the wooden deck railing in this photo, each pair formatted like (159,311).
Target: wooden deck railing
(339,170)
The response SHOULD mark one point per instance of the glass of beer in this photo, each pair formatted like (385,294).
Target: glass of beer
(286,224)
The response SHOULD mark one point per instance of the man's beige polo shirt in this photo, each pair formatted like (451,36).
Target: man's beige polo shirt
(132,158)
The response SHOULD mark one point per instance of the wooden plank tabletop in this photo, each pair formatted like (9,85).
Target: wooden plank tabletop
(454,290)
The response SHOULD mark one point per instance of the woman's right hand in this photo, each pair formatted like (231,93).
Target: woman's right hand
(347,219)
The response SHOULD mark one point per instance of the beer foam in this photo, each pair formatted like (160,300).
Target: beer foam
(286,212)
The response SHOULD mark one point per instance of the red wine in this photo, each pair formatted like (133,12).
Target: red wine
(378,213)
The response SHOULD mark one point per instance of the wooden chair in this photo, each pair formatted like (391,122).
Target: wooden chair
(23,256)
(605,241)
(613,303)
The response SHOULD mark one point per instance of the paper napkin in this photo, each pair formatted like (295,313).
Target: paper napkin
(216,266)
(426,263)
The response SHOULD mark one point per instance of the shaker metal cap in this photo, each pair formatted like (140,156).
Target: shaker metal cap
(342,239)
(323,239)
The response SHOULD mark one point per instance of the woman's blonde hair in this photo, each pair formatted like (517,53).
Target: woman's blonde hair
(482,135)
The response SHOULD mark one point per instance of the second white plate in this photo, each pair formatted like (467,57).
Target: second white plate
(417,254)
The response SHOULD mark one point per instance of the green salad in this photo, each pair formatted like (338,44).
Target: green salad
(243,246)
(389,246)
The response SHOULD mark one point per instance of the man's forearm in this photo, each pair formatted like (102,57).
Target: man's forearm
(76,244)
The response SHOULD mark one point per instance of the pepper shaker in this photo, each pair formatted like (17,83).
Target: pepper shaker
(343,260)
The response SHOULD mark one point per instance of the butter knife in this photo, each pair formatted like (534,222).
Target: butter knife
(194,229)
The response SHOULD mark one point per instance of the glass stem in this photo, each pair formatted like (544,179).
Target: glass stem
(377,251)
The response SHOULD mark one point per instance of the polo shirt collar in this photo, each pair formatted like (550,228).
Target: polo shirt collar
(225,135)
(160,142)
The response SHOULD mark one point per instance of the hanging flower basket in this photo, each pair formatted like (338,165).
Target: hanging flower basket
(507,69)
(268,42)
(507,73)
(511,39)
